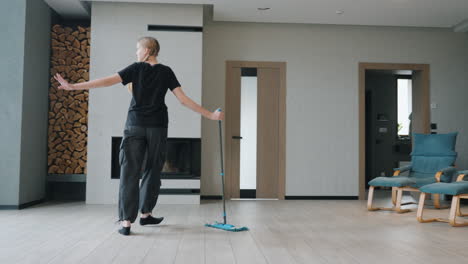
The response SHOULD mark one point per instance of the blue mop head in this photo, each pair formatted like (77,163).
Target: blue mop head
(227,227)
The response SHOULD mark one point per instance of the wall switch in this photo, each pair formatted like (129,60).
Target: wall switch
(433,105)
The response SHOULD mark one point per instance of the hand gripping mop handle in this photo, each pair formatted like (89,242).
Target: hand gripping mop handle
(222,165)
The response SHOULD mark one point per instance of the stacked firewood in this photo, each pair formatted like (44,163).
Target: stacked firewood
(68,110)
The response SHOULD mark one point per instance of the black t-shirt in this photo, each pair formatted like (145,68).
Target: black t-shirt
(150,84)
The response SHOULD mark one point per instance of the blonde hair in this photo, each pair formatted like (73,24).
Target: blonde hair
(151,44)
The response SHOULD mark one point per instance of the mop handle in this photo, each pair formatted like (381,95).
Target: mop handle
(222,165)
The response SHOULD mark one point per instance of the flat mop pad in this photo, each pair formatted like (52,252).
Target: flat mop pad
(227,227)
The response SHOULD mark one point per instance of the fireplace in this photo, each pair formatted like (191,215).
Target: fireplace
(183,159)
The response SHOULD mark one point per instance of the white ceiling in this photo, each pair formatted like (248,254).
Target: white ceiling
(417,13)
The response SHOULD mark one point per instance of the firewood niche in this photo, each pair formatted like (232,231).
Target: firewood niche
(68,110)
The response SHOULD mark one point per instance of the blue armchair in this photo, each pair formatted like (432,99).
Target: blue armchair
(432,161)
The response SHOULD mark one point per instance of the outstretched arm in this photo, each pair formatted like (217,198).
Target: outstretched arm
(102,82)
(189,103)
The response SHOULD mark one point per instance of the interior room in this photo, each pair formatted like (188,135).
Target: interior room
(217,131)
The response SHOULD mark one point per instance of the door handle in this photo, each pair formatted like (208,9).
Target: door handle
(236,137)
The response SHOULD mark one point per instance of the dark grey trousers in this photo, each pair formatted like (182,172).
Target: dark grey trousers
(136,143)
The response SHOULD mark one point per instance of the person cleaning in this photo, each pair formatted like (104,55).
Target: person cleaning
(145,129)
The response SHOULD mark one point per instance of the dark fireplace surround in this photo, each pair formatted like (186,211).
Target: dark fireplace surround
(183,159)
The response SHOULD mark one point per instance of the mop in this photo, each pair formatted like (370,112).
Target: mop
(224,225)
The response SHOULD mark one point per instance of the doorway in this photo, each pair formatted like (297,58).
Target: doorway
(393,103)
(255,129)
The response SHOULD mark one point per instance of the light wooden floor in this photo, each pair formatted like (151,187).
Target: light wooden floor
(280,232)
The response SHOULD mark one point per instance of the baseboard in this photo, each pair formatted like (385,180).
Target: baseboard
(179,191)
(9,207)
(211,197)
(21,206)
(292,197)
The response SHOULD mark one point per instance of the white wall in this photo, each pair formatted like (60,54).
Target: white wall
(322,91)
(115,28)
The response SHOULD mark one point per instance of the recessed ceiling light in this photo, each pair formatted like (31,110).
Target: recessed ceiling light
(263,8)
(339,12)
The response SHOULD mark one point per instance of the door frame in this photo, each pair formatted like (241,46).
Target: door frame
(229,177)
(424,107)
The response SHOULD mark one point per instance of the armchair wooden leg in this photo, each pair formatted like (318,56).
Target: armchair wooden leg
(459,212)
(437,202)
(422,199)
(419,214)
(394,196)
(454,209)
(398,202)
(370,197)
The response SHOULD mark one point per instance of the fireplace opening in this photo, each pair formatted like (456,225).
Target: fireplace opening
(183,159)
